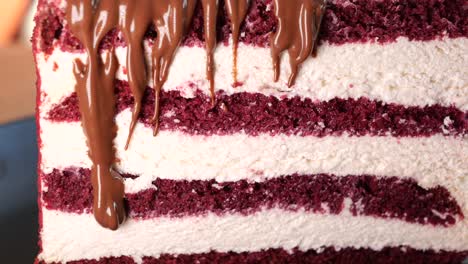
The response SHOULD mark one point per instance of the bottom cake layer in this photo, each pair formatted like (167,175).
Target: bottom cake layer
(70,237)
(326,255)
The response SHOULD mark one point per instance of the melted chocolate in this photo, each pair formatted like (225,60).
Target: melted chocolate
(210,14)
(298,28)
(236,10)
(171,19)
(91,20)
(133,23)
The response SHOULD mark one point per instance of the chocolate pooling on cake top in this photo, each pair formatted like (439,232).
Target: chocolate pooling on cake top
(91,20)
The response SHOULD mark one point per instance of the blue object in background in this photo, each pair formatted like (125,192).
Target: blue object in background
(18,192)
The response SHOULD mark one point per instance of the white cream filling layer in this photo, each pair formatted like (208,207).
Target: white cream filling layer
(431,161)
(67,237)
(405,72)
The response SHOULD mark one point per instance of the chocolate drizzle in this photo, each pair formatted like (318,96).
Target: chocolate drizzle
(297,31)
(210,14)
(171,19)
(91,20)
(133,23)
(95,88)
(236,10)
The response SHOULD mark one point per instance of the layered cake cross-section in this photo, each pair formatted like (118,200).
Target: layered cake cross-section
(252,131)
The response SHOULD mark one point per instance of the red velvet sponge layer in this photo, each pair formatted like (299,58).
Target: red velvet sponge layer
(386,197)
(254,114)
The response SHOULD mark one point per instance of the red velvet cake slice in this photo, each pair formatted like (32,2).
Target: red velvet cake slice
(252,131)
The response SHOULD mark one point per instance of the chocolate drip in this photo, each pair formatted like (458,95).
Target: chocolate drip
(236,10)
(210,13)
(90,22)
(171,19)
(134,21)
(297,31)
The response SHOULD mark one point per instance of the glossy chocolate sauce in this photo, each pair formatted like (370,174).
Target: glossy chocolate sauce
(171,19)
(134,21)
(236,10)
(91,20)
(210,15)
(298,28)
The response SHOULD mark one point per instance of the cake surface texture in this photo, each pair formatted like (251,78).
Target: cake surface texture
(252,131)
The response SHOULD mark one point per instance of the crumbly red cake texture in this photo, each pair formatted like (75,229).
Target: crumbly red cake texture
(344,21)
(108,260)
(255,113)
(394,255)
(327,255)
(71,191)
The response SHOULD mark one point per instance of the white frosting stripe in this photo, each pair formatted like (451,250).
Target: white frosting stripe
(404,72)
(67,237)
(435,159)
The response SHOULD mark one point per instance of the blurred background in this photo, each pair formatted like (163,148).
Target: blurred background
(18,146)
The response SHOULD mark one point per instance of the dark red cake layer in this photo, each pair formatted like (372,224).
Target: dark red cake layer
(344,21)
(257,113)
(71,191)
(328,255)
(388,255)
(111,260)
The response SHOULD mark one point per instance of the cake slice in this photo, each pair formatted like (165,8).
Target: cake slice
(261,131)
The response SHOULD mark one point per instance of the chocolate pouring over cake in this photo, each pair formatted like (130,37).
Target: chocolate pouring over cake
(252,131)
